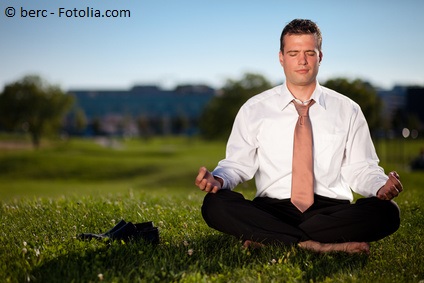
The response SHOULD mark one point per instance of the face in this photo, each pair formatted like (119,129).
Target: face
(300,60)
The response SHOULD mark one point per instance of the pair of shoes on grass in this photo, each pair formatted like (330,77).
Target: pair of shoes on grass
(127,231)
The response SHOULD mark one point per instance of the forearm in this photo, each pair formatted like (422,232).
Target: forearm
(360,168)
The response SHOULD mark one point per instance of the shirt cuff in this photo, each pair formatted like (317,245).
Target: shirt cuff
(379,185)
(224,183)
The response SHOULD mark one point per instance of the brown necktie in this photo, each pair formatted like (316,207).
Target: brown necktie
(302,193)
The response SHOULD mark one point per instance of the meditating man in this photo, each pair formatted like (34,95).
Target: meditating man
(308,147)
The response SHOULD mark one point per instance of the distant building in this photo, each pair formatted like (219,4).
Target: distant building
(140,111)
(393,100)
(403,108)
(149,110)
(415,102)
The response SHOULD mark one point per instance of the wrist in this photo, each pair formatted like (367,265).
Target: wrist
(220,180)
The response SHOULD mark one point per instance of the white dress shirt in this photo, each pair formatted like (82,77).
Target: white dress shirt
(261,146)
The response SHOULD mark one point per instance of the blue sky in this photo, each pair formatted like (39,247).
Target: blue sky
(203,41)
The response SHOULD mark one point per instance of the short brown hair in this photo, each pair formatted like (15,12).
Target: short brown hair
(301,26)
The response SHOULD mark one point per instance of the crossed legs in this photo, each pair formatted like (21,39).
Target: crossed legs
(329,225)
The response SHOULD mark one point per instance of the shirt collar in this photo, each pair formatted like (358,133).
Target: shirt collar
(287,97)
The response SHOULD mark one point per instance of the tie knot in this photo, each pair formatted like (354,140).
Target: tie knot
(303,109)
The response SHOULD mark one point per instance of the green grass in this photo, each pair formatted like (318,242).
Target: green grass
(80,166)
(48,196)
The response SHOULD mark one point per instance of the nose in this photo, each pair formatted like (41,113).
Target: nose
(302,59)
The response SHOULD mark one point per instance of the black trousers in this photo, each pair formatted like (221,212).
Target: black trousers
(269,220)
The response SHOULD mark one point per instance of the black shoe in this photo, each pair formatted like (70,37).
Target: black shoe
(106,235)
(150,235)
(144,225)
(145,231)
(116,228)
(127,232)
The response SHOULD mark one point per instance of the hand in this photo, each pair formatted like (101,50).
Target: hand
(206,181)
(392,188)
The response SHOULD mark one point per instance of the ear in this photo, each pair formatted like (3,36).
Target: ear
(320,56)
(280,56)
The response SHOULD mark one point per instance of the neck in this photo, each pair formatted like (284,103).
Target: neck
(303,93)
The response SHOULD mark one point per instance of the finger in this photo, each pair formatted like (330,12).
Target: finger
(208,187)
(197,184)
(385,191)
(381,194)
(395,189)
(395,174)
(215,189)
(202,184)
(393,192)
(394,178)
(202,173)
(200,176)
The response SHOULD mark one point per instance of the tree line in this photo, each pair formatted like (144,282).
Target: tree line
(34,106)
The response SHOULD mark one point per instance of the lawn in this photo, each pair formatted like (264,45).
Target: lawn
(50,195)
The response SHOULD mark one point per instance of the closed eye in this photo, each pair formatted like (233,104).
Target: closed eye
(293,53)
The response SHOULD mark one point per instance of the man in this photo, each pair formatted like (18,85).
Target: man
(342,158)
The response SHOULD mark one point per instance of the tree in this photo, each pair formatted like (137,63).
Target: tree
(362,93)
(33,105)
(80,120)
(76,121)
(218,117)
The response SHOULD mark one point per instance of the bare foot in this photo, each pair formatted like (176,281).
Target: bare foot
(247,244)
(348,247)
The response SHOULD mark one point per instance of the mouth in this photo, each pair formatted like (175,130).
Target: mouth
(302,71)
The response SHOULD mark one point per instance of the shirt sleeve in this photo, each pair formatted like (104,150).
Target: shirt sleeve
(240,163)
(360,169)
